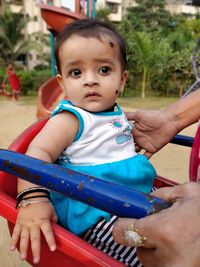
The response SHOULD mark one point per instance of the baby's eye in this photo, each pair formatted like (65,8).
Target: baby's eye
(75,73)
(104,70)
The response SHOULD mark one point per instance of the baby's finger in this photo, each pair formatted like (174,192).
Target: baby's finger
(148,154)
(49,236)
(24,242)
(35,243)
(15,236)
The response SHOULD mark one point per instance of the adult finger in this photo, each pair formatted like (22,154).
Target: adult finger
(147,257)
(148,154)
(124,228)
(131,115)
(119,227)
(170,194)
(138,148)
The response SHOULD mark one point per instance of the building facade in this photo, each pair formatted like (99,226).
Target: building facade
(187,7)
(29,9)
(118,7)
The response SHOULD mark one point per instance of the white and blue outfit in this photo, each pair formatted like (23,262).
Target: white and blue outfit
(104,148)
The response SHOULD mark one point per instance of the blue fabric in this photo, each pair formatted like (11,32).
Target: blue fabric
(135,172)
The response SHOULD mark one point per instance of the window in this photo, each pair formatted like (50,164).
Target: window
(191,2)
(17,2)
(187,2)
(196,2)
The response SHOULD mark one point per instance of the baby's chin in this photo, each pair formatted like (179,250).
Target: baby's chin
(91,108)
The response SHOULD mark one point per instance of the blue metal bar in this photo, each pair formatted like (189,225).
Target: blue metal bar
(183,140)
(113,198)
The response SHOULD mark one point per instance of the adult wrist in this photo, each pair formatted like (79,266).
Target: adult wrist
(184,112)
(173,118)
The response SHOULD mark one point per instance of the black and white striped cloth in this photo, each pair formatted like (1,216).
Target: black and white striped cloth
(100,236)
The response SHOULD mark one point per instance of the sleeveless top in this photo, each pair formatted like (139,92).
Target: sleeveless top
(104,148)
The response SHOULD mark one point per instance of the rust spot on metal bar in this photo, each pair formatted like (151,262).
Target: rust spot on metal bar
(90,200)
(6,163)
(70,172)
(36,177)
(80,186)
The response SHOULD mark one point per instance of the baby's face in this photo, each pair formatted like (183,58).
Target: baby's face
(91,72)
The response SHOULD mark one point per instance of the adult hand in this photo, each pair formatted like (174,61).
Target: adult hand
(28,228)
(173,234)
(152,129)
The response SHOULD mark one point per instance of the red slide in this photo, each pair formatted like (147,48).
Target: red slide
(56,18)
(48,95)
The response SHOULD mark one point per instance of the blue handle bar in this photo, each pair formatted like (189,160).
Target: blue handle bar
(113,198)
(183,140)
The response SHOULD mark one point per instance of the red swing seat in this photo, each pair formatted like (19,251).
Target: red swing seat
(71,250)
(194,168)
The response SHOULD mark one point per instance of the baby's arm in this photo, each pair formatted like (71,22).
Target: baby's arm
(56,135)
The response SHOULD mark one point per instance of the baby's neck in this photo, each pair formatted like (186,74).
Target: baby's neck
(110,109)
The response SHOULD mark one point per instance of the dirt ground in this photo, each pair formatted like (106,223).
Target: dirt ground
(171,162)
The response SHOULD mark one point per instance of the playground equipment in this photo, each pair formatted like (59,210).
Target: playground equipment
(56,18)
(194,170)
(48,94)
(71,250)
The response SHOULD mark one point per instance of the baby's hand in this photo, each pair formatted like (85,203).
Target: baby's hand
(30,221)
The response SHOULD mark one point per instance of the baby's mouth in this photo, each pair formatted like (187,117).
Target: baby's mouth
(92,95)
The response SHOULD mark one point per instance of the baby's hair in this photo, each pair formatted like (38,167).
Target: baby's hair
(90,28)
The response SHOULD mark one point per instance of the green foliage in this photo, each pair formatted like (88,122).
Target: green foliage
(12,42)
(149,16)
(159,49)
(103,14)
(32,80)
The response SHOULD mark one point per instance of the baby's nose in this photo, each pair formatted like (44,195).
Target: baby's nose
(91,79)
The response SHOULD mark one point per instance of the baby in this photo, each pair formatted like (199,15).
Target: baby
(89,133)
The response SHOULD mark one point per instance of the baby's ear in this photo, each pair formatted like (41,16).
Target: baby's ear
(123,80)
(60,82)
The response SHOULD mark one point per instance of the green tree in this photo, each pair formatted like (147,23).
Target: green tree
(12,43)
(159,47)
(151,57)
(103,13)
(150,15)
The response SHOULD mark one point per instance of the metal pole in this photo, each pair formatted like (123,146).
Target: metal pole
(93,9)
(53,65)
(85,188)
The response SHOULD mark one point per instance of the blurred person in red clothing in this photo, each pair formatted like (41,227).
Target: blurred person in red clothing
(14,81)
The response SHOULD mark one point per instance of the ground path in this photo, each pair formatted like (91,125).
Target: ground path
(171,162)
